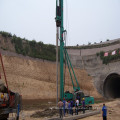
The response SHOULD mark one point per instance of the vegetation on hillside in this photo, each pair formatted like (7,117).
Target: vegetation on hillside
(5,34)
(32,48)
(110,57)
(90,46)
(48,51)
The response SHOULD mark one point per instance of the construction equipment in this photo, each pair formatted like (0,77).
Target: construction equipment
(77,94)
(9,101)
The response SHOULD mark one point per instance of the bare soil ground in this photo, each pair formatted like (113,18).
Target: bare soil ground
(37,109)
(41,112)
(113,111)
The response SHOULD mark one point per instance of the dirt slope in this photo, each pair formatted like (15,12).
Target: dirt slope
(36,79)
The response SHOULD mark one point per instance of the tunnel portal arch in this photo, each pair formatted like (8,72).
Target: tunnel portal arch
(111,86)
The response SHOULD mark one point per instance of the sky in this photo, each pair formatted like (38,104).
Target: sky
(85,20)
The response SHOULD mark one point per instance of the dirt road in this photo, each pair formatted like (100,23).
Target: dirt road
(113,111)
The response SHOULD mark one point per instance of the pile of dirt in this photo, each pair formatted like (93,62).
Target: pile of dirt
(45,113)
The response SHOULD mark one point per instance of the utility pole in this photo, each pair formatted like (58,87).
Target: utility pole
(59,23)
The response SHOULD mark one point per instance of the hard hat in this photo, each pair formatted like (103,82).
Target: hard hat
(2,96)
(83,98)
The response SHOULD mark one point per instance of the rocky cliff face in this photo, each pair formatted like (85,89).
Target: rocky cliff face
(5,43)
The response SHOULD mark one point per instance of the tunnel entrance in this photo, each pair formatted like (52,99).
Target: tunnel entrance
(112,86)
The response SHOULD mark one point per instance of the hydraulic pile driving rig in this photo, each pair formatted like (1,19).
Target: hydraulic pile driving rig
(63,53)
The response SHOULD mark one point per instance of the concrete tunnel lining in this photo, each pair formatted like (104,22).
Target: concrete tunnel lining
(112,86)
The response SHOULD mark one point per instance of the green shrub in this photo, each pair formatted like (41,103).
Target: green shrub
(109,58)
(97,54)
(32,48)
(5,34)
(101,54)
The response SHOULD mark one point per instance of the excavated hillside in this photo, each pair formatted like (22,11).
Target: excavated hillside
(36,78)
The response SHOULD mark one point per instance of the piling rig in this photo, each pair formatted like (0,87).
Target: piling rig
(63,53)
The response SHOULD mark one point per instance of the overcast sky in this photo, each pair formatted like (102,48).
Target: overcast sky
(85,20)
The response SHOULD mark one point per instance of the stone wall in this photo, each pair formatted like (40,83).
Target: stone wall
(87,59)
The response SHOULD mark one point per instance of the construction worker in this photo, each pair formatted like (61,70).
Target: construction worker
(83,105)
(76,106)
(64,102)
(2,96)
(60,105)
(71,105)
(66,107)
(18,110)
(104,112)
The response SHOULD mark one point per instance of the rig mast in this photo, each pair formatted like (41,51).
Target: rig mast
(59,24)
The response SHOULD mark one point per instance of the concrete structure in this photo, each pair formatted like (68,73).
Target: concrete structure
(106,78)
